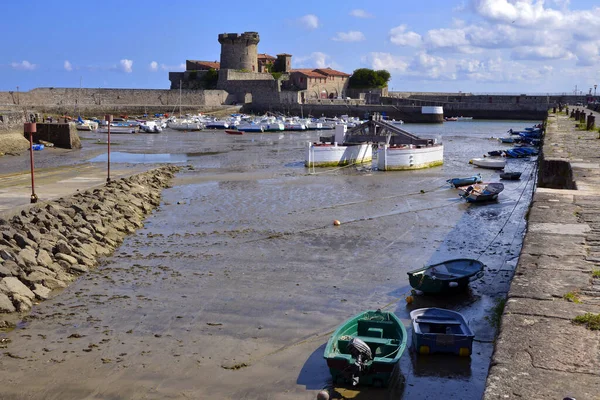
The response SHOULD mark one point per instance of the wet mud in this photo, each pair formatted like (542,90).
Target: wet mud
(235,283)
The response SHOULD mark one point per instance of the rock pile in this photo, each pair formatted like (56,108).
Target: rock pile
(46,247)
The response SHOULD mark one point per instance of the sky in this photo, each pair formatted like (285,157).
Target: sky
(477,46)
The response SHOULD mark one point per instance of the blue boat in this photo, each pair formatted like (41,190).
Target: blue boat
(456,182)
(446,277)
(436,330)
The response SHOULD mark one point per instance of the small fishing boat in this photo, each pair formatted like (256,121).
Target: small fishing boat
(446,277)
(489,162)
(511,176)
(457,182)
(233,132)
(496,153)
(450,119)
(481,192)
(436,330)
(366,348)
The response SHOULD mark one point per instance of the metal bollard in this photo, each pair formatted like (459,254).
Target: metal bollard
(31,128)
(582,117)
(577,114)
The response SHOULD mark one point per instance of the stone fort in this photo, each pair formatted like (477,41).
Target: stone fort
(250,77)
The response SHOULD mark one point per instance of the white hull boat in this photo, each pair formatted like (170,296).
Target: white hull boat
(119,129)
(185,126)
(489,162)
(332,155)
(408,157)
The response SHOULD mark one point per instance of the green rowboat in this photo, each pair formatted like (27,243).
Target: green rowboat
(366,348)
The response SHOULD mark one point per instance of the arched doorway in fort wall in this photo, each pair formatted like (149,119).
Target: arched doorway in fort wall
(323,94)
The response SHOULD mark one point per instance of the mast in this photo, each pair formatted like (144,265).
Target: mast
(180,98)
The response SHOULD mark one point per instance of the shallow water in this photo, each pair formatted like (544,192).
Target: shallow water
(235,283)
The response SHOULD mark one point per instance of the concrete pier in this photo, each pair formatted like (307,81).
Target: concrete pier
(540,352)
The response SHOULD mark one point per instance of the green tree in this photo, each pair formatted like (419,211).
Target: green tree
(368,78)
(210,78)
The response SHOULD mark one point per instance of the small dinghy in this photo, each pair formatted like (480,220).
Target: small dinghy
(446,277)
(496,153)
(489,162)
(436,330)
(366,348)
(233,132)
(457,182)
(511,176)
(481,192)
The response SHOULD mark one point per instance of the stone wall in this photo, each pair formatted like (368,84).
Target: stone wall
(71,99)
(11,132)
(47,246)
(61,135)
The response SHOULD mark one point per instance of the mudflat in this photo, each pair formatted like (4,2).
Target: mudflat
(234,284)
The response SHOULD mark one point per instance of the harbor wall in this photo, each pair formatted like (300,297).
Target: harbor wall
(542,351)
(11,132)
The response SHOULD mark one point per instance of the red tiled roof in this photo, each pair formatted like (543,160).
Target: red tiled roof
(311,73)
(331,72)
(196,64)
(265,56)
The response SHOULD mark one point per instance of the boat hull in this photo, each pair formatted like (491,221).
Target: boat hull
(489,163)
(460,272)
(332,155)
(437,330)
(386,337)
(400,158)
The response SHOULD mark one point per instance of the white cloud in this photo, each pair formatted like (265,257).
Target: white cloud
(316,59)
(552,52)
(67,65)
(387,61)
(154,66)
(126,65)
(431,67)
(309,21)
(351,36)
(399,36)
(454,38)
(358,13)
(588,53)
(23,65)
(498,70)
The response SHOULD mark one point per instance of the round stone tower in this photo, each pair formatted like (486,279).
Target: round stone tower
(239,51)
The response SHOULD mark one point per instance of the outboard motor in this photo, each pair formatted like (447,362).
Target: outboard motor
(361,353)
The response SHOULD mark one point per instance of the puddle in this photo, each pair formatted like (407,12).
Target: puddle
(136,158)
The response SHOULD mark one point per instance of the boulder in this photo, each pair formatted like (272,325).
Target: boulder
(6,255)
(53,283)
(23,242)
(65,257)
(22,303)
(41,291)
(11,267)
(43,258)
(33,234)
(28,256)
(6,305)
(16,287)
(79,268)
(62,247)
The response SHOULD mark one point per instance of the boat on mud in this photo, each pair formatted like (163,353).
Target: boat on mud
(446,277)
(436,330)
(511,176)
(366,349)
(489,162)
(457,182)
(481,192)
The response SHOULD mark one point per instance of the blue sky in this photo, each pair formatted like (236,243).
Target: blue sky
(523,46)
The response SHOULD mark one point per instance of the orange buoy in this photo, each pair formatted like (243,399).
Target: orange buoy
(336,223)
(409,299)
